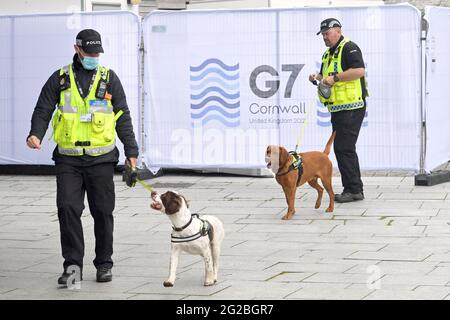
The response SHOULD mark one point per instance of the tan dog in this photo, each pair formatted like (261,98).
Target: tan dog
(315,164)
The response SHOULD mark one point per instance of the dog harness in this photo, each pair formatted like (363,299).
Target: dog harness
(297,164)
(205,229)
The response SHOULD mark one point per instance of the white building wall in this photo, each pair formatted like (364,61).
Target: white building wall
(321,3)
(41,6)
(218,4)
(420,4)
(57,6)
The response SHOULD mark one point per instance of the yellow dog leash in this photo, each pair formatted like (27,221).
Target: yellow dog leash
(146,186)
(302,131)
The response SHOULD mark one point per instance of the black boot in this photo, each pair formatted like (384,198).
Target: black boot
(348,197)
(62,280)
(104,275)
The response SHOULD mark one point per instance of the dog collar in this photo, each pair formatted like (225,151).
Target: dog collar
(186,225)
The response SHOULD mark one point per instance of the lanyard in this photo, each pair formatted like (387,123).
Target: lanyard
(80,90)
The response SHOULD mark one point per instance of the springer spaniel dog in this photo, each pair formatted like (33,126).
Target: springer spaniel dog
(192,234)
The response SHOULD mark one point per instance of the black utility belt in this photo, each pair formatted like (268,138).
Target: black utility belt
(82,143)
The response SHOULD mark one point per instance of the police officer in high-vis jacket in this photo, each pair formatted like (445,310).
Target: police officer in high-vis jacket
(343,70)
(90,108)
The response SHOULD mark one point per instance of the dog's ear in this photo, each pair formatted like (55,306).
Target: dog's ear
(283,156)
(172,202)
(185,201)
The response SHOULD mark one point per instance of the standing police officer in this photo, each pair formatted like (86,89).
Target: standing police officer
(92,107)
(343,70)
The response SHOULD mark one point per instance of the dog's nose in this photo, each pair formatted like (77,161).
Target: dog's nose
(154,193)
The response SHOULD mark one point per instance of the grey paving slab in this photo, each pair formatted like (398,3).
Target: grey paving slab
(441,229)
(158,260)
(316,291)
(379,230)
(281,267)
(431,239)
(436,204)
(267,222)
(440,271)
(305,238)
(401,229)
(349,246)
(329,254)
(244,236)
(287,227)
(61,294)
(14,201)
(348,212)
(395,267)
(20,236)
(252,275)
(422,293)
(411,255)
(256,290)
(439,257)
(184,286)
(413,196)
(291,277)
(30,207)
(433,222)
(386,204)
(416,279)
(398,212)
(145,296)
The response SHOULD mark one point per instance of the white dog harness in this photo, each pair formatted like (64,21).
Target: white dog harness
(205,229)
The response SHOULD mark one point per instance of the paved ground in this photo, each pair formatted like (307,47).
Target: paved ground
(393,245)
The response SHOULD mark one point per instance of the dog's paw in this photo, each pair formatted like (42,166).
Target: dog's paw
(287,216)
(168,284)
(329,210)
(209,283)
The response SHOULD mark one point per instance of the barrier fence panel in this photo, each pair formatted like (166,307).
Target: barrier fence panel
(437,92)
(197,77)
(222,85)
(33,47)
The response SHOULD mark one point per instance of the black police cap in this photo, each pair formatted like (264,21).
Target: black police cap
(327,24)
(90,41)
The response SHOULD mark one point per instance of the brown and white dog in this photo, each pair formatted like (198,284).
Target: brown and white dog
(192,234)
(316,165)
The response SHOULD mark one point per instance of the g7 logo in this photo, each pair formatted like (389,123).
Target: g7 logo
(274,85)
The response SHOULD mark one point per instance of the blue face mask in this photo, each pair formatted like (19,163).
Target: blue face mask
(89,63)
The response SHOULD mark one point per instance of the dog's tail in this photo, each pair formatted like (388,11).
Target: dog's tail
(330,141)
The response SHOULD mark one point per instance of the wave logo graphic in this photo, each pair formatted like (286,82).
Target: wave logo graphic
(215,95)
(324,116)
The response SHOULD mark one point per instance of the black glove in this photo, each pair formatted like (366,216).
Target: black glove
(130,174)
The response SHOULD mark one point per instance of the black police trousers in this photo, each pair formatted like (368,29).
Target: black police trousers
(347,124)
(72,184)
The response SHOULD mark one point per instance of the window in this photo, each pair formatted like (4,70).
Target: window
(100,5)
(105,6)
